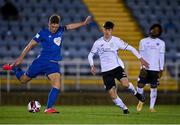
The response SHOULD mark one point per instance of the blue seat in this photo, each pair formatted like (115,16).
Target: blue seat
(4,52)
(82,53)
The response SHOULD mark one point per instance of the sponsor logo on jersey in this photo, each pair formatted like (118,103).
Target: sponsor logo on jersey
(57,41)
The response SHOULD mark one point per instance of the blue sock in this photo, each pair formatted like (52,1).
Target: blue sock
(52,97)
(18,72)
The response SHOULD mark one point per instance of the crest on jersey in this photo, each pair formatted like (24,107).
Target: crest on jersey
(37,35)
(57,41)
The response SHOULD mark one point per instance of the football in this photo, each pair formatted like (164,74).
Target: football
(34,106)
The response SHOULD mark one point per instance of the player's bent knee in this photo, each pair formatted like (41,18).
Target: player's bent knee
(113,94)
(57,86)
(23,82)
(24,79)
(55,80)
(125,84)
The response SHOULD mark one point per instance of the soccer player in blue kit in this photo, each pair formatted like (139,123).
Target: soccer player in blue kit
(47,62)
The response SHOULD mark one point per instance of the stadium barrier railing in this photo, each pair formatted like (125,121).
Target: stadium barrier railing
(75,75)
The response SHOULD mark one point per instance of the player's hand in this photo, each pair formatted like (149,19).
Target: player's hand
(160,73)
(144,63)
(87,20)
(93,70)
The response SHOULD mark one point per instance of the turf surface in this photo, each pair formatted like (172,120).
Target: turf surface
(166,114)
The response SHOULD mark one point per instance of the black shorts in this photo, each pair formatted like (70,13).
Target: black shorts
(109,77)
(148,76)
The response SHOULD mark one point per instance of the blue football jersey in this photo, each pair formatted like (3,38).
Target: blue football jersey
(50,43)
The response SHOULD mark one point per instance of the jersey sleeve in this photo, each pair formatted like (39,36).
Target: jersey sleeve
(121,44)
(37,37)
(162,49)
(141,46)
(94,48)
(134,51)
(161,54)
(92,53)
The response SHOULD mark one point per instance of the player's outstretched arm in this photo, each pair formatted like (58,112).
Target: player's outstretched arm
(136,53)
(73,26)
(31,44)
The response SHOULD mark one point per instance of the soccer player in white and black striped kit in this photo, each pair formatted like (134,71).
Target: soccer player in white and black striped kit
(112,66)
(152,49)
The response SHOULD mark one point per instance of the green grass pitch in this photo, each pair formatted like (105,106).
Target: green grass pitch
(166,114)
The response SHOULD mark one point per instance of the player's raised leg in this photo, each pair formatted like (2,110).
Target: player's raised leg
(53,94)
(125,83)
(19,73)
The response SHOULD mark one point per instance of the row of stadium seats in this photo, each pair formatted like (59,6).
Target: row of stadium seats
(67,52)
(47,2)
(27,29)
(154,3)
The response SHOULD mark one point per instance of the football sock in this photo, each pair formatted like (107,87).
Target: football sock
(52,97)
(140,90)
(18,72)
(153,96)
(131,88)
(120,103)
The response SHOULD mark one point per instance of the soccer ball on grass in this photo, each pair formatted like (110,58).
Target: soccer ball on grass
(34,106)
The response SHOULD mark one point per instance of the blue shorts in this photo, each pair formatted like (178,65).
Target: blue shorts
(42,67)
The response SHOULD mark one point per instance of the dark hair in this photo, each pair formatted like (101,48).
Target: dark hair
(154,26)
(108,25)
(54,19)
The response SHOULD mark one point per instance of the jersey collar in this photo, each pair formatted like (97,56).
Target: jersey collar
(107,40)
